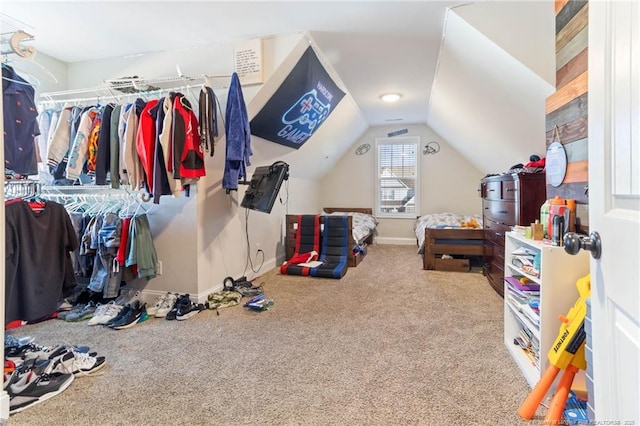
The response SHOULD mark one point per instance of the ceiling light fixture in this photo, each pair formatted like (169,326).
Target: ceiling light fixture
(390,97)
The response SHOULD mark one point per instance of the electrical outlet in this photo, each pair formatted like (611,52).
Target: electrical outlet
(159,268)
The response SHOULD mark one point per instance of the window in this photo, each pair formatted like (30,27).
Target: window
(397,173)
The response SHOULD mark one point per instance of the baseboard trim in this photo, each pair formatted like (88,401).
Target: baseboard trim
(396,241)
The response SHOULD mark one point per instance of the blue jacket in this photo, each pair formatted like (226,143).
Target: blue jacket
(238,136)
(20,123)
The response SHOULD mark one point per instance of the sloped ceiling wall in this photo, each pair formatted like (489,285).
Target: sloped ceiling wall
(485,102)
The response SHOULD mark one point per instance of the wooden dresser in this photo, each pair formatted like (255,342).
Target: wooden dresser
(507,200)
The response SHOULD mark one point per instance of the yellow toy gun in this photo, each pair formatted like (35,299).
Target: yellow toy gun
(567,353)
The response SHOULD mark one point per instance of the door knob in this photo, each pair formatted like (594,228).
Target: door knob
(574,242)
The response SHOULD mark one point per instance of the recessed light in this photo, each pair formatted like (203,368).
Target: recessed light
(390,97)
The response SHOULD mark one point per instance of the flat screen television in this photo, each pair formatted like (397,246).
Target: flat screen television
(265,186)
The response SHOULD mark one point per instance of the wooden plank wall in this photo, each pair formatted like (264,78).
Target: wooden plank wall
(567,108)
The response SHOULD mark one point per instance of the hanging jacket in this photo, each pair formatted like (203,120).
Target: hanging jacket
(208,119)
(146,142)
(122,129)
(92,147)
(132,161)
(167,145)
(103,154)
(20,123)
(80,148)
(238,135)
(160,179)
(114,148)
(59,145)
(191,159)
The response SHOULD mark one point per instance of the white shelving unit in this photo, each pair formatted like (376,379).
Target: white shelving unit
(559,272)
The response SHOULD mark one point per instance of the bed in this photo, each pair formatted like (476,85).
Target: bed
(362,227)
(447,243)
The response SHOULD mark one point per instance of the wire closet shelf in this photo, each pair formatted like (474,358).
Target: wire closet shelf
(132,87)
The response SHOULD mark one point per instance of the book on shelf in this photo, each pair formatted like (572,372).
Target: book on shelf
(527,286)
(523,251)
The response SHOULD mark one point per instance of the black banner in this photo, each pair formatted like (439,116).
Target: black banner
(300,105)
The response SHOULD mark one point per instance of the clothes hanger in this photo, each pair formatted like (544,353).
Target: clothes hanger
(23,83)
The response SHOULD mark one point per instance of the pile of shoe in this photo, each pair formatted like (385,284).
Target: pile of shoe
(123,312)
(173,306)
(33,373)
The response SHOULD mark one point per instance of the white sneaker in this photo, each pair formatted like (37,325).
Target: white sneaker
(78,363)
(101,310)
(167,305)
(112,311)
(153,309)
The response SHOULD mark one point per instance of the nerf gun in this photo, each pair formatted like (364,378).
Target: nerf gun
(567,353)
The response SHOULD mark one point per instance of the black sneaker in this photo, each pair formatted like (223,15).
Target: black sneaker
(182,302)
(137,314)
(123,312)
(187,311)
(31,389)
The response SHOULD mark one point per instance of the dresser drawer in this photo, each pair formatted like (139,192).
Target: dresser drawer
(493,190)
(495,274)
(494,231)
(509,189)
(503,212)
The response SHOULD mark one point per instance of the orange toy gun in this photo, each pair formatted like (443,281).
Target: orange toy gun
(567,353)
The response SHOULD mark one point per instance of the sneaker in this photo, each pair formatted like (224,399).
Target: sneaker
(137,313)
(45,352)
(121,313)
(77,363)
(167,304)
(101,310)
(153,309)
(75,309)
(17,354)
(65,306)
(82,314)
(183,301)
(112,312)
(13,341)
(187,311)
(33,389)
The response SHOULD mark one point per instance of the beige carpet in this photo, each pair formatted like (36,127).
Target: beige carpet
(389,344)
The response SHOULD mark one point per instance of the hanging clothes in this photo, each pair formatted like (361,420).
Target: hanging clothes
(106,241)
(238,135)
(160,177)
(81,151)
(103,150)
(188,157)
(146,142)
(20,123)
(166,142)
(114,147)
(38,273)
(208,119)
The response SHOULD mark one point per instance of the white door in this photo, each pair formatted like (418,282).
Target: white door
(614,206)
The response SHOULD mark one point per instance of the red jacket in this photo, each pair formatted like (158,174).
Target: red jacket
(146,142)
(186,141)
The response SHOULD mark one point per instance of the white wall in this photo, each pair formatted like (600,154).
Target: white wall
(509,23)
(448,182)
(486,103)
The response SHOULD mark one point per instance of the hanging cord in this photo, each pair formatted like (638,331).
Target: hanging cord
(286,201)
(249,261)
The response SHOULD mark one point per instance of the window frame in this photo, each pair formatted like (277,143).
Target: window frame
(405,140)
